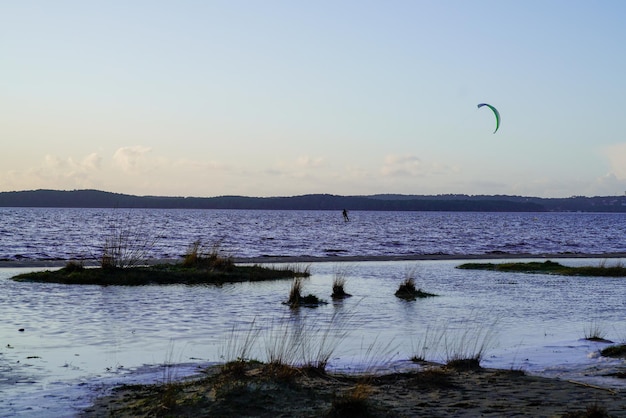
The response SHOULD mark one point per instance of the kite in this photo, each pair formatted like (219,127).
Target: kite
(495,112)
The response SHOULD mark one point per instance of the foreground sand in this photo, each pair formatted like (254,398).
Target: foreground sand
(264,391)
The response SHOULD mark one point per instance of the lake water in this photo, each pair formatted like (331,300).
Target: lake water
(79,341)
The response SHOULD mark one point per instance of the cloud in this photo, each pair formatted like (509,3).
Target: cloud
(309,162)
(616,155)
(412,166)
(401,165)
(131,159)
(300,167)
(57,173)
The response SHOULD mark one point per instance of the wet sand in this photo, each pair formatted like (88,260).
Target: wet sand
(431,392)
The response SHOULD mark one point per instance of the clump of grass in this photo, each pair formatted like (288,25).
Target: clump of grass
(339,283)
(198,256)
(125,246)
(465,348)
(408,291)
(306,345)
(238,350)
(353,403)
(595,332)
(169,389)
(592,411)
(425,345)
(618,350)
(298,270)
(74,266)
(339,292)
(296,299)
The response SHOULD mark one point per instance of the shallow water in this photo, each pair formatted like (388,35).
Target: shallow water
(79,340)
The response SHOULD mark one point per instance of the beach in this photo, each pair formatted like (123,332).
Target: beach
(434,391)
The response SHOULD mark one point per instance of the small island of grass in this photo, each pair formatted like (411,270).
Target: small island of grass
(549,267)
(195,269)
(160,274)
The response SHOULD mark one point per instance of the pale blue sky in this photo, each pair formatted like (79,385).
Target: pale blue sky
(278,98)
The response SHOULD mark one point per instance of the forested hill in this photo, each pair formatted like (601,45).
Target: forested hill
(497,203)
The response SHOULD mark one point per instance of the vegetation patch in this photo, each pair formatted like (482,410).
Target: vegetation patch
(408,291)
(550,267)
(161,274)
(614,351)
(296,299)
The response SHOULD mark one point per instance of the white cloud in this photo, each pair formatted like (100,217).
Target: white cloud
(309,162)
(616,154)
(401,165)
(131,159)
(412,166)
(56,173)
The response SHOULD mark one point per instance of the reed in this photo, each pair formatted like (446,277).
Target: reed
(237,349)
(465,347)
(296,299)
(200,256)
(594,331)
(125,245)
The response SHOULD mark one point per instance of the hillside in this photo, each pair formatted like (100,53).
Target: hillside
(497,203)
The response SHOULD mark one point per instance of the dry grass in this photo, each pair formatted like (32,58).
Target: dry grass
(200,256)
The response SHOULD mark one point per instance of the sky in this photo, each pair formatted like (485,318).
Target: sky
(283,98)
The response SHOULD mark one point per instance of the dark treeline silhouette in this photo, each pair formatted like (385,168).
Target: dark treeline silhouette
(456,202)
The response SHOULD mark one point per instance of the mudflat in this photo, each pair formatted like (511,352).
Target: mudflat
(261,390)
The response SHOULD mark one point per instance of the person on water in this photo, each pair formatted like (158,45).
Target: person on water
(345,216)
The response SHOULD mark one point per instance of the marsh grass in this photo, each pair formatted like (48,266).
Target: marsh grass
(461,347)
(352,403)
(296,299)
(305,343)
(169,387)
(237,349)
(340,275)
(319,341)
(465,346)
(125,245)
(551,267)
(200,256)
(74,266)
(408,291)
(426,345)
(594,331)
(618,350)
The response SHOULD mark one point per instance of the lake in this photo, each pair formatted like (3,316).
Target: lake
(77,342)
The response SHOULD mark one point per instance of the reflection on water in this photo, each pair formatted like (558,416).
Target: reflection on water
(75,334)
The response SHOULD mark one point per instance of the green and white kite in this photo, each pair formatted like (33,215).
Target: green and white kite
(495,112)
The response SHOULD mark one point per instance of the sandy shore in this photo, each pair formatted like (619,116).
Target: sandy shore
(322,259)
(261,391)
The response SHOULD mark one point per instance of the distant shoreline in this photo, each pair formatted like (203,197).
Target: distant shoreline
(339,259)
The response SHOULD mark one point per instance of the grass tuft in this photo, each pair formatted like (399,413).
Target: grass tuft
(618,350)
(339,283)
(353,403)
(408,291)
(595,332)
(198,256)
(592,411)
(74,266)
(296,299)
